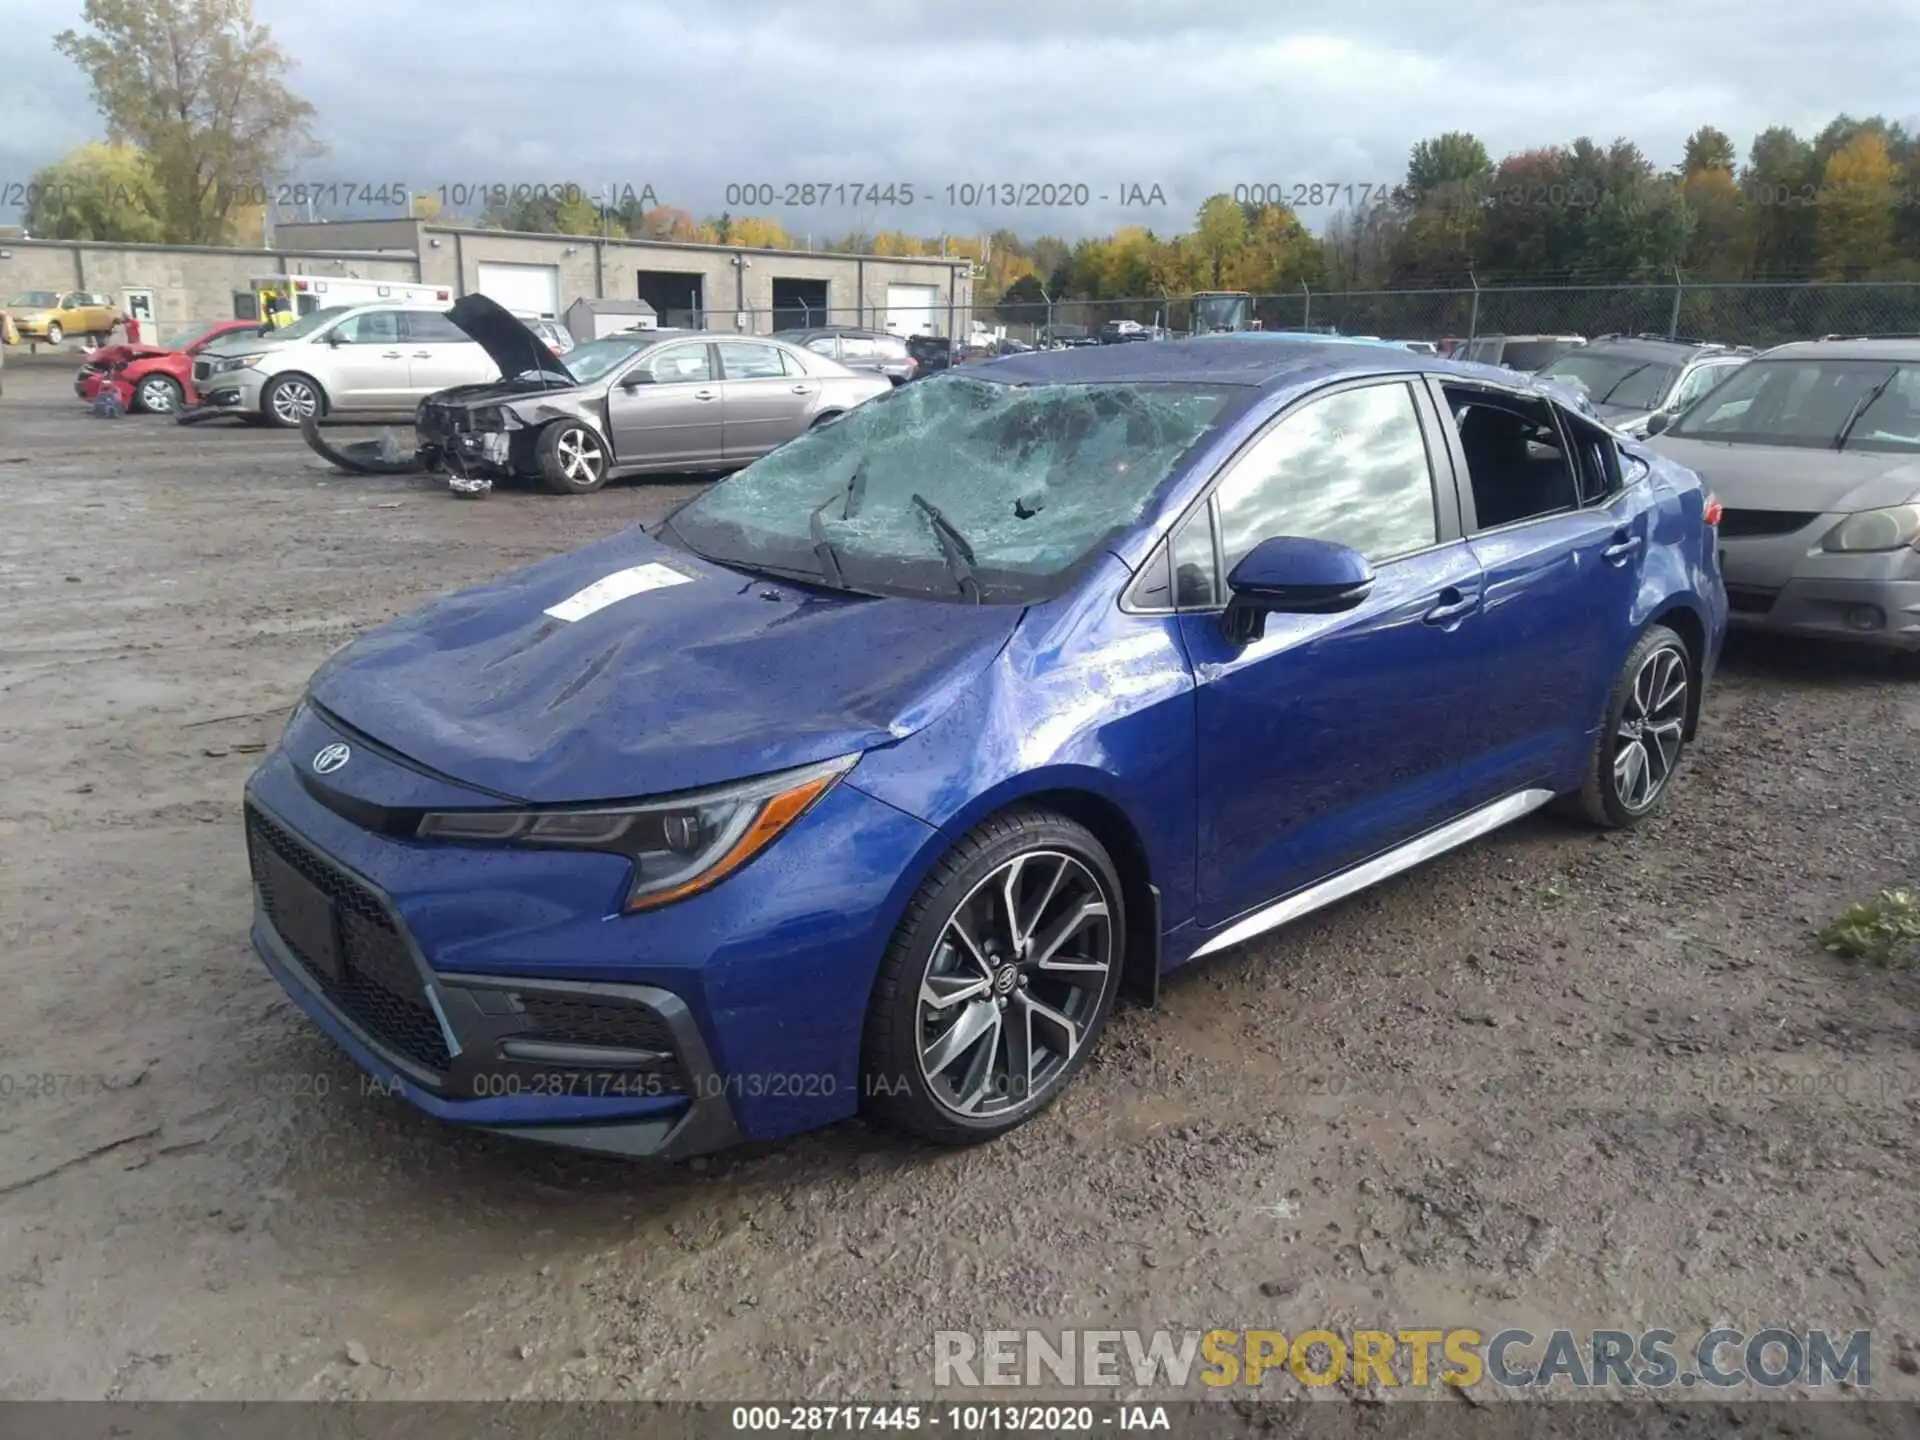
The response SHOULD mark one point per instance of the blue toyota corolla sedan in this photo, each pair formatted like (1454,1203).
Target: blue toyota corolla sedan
(868,779)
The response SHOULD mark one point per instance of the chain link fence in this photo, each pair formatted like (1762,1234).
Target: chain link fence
(1735,314)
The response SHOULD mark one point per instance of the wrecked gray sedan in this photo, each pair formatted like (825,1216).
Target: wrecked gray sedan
(646,401)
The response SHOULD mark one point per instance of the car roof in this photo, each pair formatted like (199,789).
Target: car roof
(1275,360)
(1858,348)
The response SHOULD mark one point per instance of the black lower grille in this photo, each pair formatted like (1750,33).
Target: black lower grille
(581,1020)
(379,988)
(1750,600)
(1734,524)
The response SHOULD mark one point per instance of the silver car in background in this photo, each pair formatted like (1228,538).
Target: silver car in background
(1814,451)
(644,401)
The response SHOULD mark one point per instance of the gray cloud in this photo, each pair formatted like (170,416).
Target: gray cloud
(1194,97)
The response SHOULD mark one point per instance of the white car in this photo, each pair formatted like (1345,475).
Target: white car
(343,357)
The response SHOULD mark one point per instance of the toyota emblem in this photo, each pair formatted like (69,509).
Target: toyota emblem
(331,759)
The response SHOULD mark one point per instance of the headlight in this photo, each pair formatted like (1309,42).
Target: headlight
(1886,529)
(235,362)
(493,417)
(679,846)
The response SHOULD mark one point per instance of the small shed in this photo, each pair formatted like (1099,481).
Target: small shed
(591,319)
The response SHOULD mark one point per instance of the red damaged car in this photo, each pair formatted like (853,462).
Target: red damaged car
(152,378)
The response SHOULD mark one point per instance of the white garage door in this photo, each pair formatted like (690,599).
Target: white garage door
(915,310)
(524,289)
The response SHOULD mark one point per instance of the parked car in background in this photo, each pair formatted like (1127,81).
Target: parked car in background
(640,401)
(1418,347)
(555,336)
(55,315)
(344,357)
(932,354)
(888,760)
(1525,353)
(158,379)
(1815,449)
(875,351)
(1632,378)
(1116,332)
(1067,337)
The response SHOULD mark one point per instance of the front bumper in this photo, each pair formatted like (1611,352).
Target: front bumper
(472,981)
(235,390)
(1784,585)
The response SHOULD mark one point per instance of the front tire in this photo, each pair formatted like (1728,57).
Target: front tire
(1643,734)
(159,395)
(573,458)
(998,982)
(290,399)
(55,333)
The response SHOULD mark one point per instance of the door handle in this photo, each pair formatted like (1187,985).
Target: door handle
(706,394)
(1623,548)
(803,389)
(423,354)
(1451,605)
(391,355)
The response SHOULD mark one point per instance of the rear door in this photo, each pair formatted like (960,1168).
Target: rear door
(1333,737)
(441,355)
(1562,537)
(765,405)
(677,416)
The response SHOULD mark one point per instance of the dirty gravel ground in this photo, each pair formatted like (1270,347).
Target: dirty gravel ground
(1555,1079)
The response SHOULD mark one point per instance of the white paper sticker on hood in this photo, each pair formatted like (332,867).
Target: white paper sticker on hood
(616,587)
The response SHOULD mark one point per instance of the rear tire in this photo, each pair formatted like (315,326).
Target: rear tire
(1643,733)
(984,1011)
(573,458)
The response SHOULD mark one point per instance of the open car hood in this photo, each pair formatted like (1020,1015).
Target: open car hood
(508,343)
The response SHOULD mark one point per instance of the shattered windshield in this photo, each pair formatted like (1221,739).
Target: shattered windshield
(954,481)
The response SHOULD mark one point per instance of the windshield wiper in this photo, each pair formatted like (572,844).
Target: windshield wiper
(954,548)
(823,547)
(1860,408)
(1602,400)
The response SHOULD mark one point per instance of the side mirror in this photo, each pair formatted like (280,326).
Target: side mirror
(634,379)
(334,337)
(1293,575)
(1658,421)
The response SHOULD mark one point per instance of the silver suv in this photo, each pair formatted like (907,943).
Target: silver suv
(344,357)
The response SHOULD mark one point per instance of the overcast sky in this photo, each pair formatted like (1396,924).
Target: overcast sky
(1195,96)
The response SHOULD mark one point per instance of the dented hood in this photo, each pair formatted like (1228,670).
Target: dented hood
(631,668)
(508,343)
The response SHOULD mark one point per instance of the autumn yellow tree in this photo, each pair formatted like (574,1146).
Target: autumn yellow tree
(1854,227)
(759,232)
(197,86)
(98,192)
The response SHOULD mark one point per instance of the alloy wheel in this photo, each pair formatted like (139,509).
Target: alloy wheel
(1014,981)
(156,395)
(580,457)
(1652,724)
(294,401)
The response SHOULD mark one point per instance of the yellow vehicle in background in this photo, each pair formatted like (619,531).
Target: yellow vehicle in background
(52,315)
